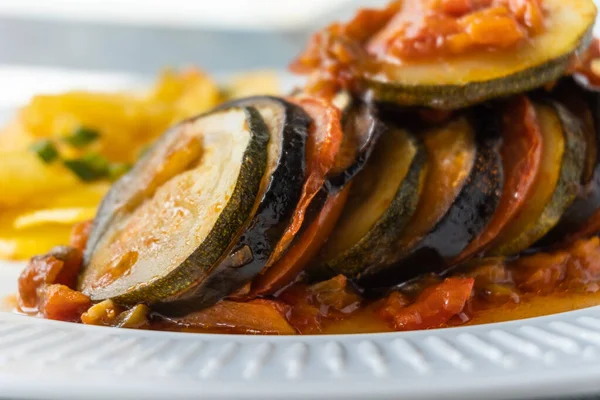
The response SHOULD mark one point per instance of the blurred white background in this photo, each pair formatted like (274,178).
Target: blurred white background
(222,14)
(51,45)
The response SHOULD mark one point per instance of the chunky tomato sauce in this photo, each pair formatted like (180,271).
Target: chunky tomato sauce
(417,29)
(484,290)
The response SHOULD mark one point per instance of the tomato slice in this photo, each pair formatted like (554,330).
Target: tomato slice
(521,157)
(300,254)
(434,307)
(325,138)
(265,317)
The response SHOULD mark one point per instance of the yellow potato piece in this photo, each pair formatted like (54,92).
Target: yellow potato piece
(62,216)
(24,179)
(19,245)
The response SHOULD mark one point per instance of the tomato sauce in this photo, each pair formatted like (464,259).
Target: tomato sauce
(482,291)
(413,30)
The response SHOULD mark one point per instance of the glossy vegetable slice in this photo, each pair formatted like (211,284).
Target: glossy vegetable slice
(579,217)
(362,128)
(459,81)
(256,317)
(462,208)
(324,141)
(281,190)
(382,199)
(521,155)
(304,249)
(451,153)
(164,227)
(556,184)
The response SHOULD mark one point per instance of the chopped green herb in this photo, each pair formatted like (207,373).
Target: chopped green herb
(82,137)
(45,150)
(116,170)
(90,167)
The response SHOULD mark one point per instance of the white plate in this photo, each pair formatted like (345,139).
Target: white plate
(550,356)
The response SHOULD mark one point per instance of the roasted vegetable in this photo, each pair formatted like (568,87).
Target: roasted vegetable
(281,191)
(580,215)
(302,251)
(323,144)
(382,199)
(461,213)
(166,225)
(521,155)
(556,184)
(362,129)
(463,80)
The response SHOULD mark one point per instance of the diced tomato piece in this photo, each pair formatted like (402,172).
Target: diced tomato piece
(542,272)
(312,306)
(434,307)
(60,303)
(61,265)
(584,264)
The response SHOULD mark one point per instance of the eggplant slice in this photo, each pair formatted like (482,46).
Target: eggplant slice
(466,80)
(196,217)
(451,226)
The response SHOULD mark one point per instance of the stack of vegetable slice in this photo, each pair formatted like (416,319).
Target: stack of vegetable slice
(246,199)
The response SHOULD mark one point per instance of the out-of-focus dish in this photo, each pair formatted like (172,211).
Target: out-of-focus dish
(440,168)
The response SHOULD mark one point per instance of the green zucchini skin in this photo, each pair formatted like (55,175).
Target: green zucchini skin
(567,188)
(199,263)
(465,219)
(374,246)
(450,97)
(247,257)
(464,94)
(587,202)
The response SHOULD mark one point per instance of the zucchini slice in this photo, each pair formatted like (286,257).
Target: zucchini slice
(556,184)
(221,239)
(465,80)
(456,204)
(169,220)
(382,199)
(281,189)
(451,153)
(581,213)
(521,155)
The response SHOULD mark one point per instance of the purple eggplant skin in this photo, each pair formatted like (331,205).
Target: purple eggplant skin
(250,253)
(362,129)
(466,218)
